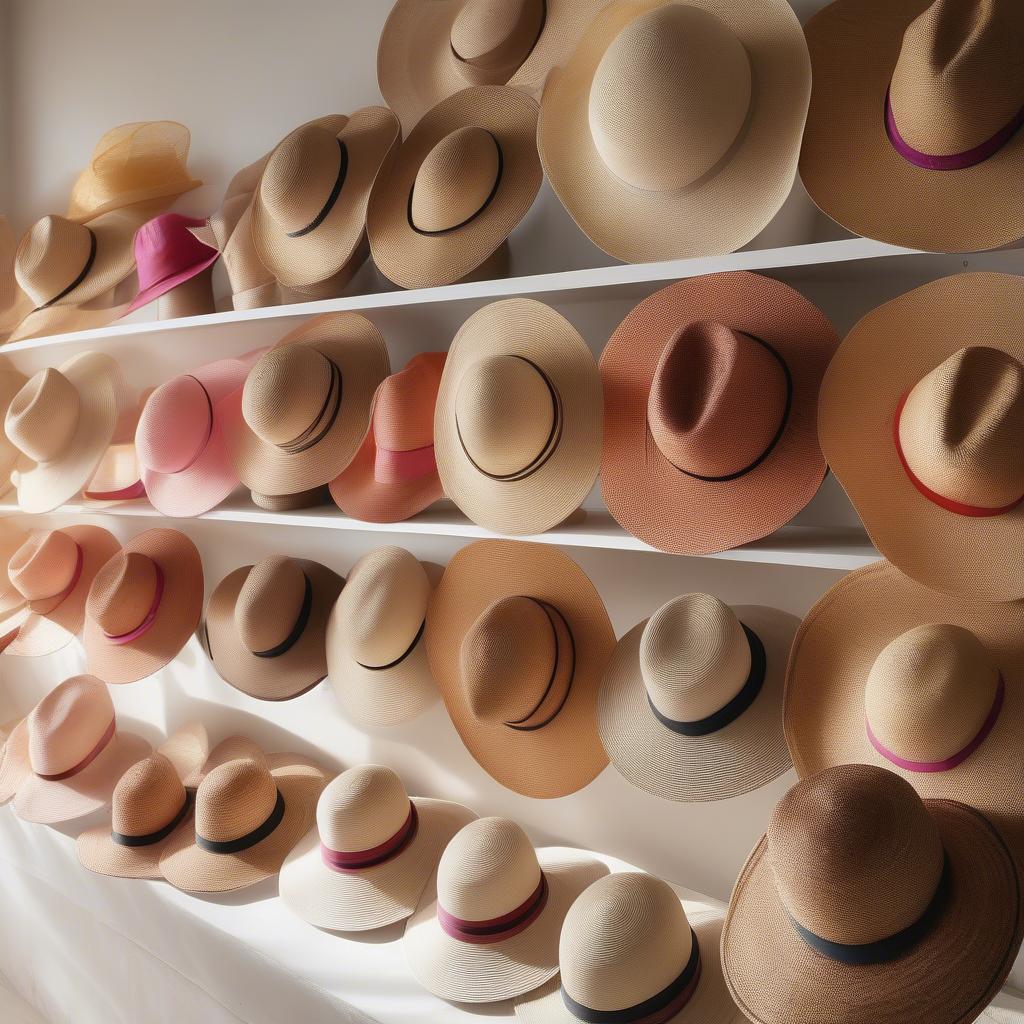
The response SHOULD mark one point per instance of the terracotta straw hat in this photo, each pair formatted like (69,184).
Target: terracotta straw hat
(518,423)
(632,951)
(305,405)
(710,400)
(690,707)
(517,638)
(376,654)
(265,625)
(913,134)
(864,904)
(143,606)
(11,382)
(167,255)
(674,129)
(393,475)
(463,180)
(372,852)
(487,924)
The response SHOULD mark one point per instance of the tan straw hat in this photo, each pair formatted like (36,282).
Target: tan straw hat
(690,707)
(518,637)
(462,181)
(914,132)
(866,905)
(710,403)
(487,924)
(517,431)
(265,625)
(290,502)
(372,852)
(674,129)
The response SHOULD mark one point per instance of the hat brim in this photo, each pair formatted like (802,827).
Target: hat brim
(187,748)
(14,762)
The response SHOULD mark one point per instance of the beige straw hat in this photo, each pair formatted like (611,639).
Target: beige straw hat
(517,431)
(488,922)
(371,853)
(518,637)
(674,129)
(11,382)
(290,502)
(922,421)
(376,654)
(866,905)
(690,707)
(462,181)
(265,626)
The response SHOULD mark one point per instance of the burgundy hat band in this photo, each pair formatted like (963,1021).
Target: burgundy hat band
(354,861)
(144,625)
(497,929)
(108,735)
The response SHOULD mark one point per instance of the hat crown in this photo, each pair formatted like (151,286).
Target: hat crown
(174,426)
(403,409)
(234,799)
(147,798)
(855,854)
(286,392)
(490,39)
(300,176)
(67,724)
(362,808)
(269,602)
(455,180)
(51,256)
(44,566)
(123,592)
(43,416)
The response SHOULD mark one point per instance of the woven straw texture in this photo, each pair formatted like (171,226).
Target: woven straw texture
(11,382)
(187,748)
(11,539)
(290,502)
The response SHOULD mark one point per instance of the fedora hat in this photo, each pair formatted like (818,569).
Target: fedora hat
(265,625)
(305,405)
(168,255)
(632,951)
(690,707)
(376,654)
(866,904)
(371,853)
(393,474)
(673,130)
(461,182)
(517,429)
(913,133)
(710,398)
(517,638)
(143,606)
(11,382)
(922,418)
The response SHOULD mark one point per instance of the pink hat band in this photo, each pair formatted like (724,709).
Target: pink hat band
(168,254)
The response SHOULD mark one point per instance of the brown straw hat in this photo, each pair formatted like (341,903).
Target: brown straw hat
(690,707)
(922,421)
(461,182)
(864,904)
(373,849)
(632,951)
(710,403)
(518,637)
(265,625)
(305,405)
(913,134)
(488,922)
(674,129)
(518,423)
(143,606)
(376,654)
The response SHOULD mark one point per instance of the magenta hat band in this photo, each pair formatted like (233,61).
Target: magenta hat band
(355,861)
(144,625)
(496,929)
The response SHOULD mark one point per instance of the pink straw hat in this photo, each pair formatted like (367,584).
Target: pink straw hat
(168,254)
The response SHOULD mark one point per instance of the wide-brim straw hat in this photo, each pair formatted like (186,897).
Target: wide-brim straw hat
(474,156)
(167,254)
(11,382)
(701,184)
(742,464)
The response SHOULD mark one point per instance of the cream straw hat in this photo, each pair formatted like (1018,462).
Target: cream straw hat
(11,382)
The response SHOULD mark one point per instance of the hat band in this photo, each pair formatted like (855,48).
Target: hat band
(497,929)
(147,622)
(297,630)
(405,654)
(359,860)
(132,491)
(81,277)
(529,722)
(395,467)
(108,735)
(729,712)
(324,419)
(257,835)
(331,199)
(160,835)
(55,600)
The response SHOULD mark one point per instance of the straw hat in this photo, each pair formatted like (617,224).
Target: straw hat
(376,655)
(690,707)
(710,398)
(673,130)
(372,852)
(291,502)
(517,638)
(864,904)
(167,254)
(12,536)
(143,606)
(265,625)
(305,405)
(11,382)
(462,181)
(631,950)
(518,423)
(393,474)
(922,420)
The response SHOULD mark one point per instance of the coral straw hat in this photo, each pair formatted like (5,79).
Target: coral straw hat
(167,255)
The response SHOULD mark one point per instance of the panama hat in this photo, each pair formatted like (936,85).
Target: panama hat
(690,707)
(517,638)
(462,181)
(11,382)
(517,430)
(710,403)
(632,951)
(393,474)
(673,131)
(866,904)
(168,256)
(371,853)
